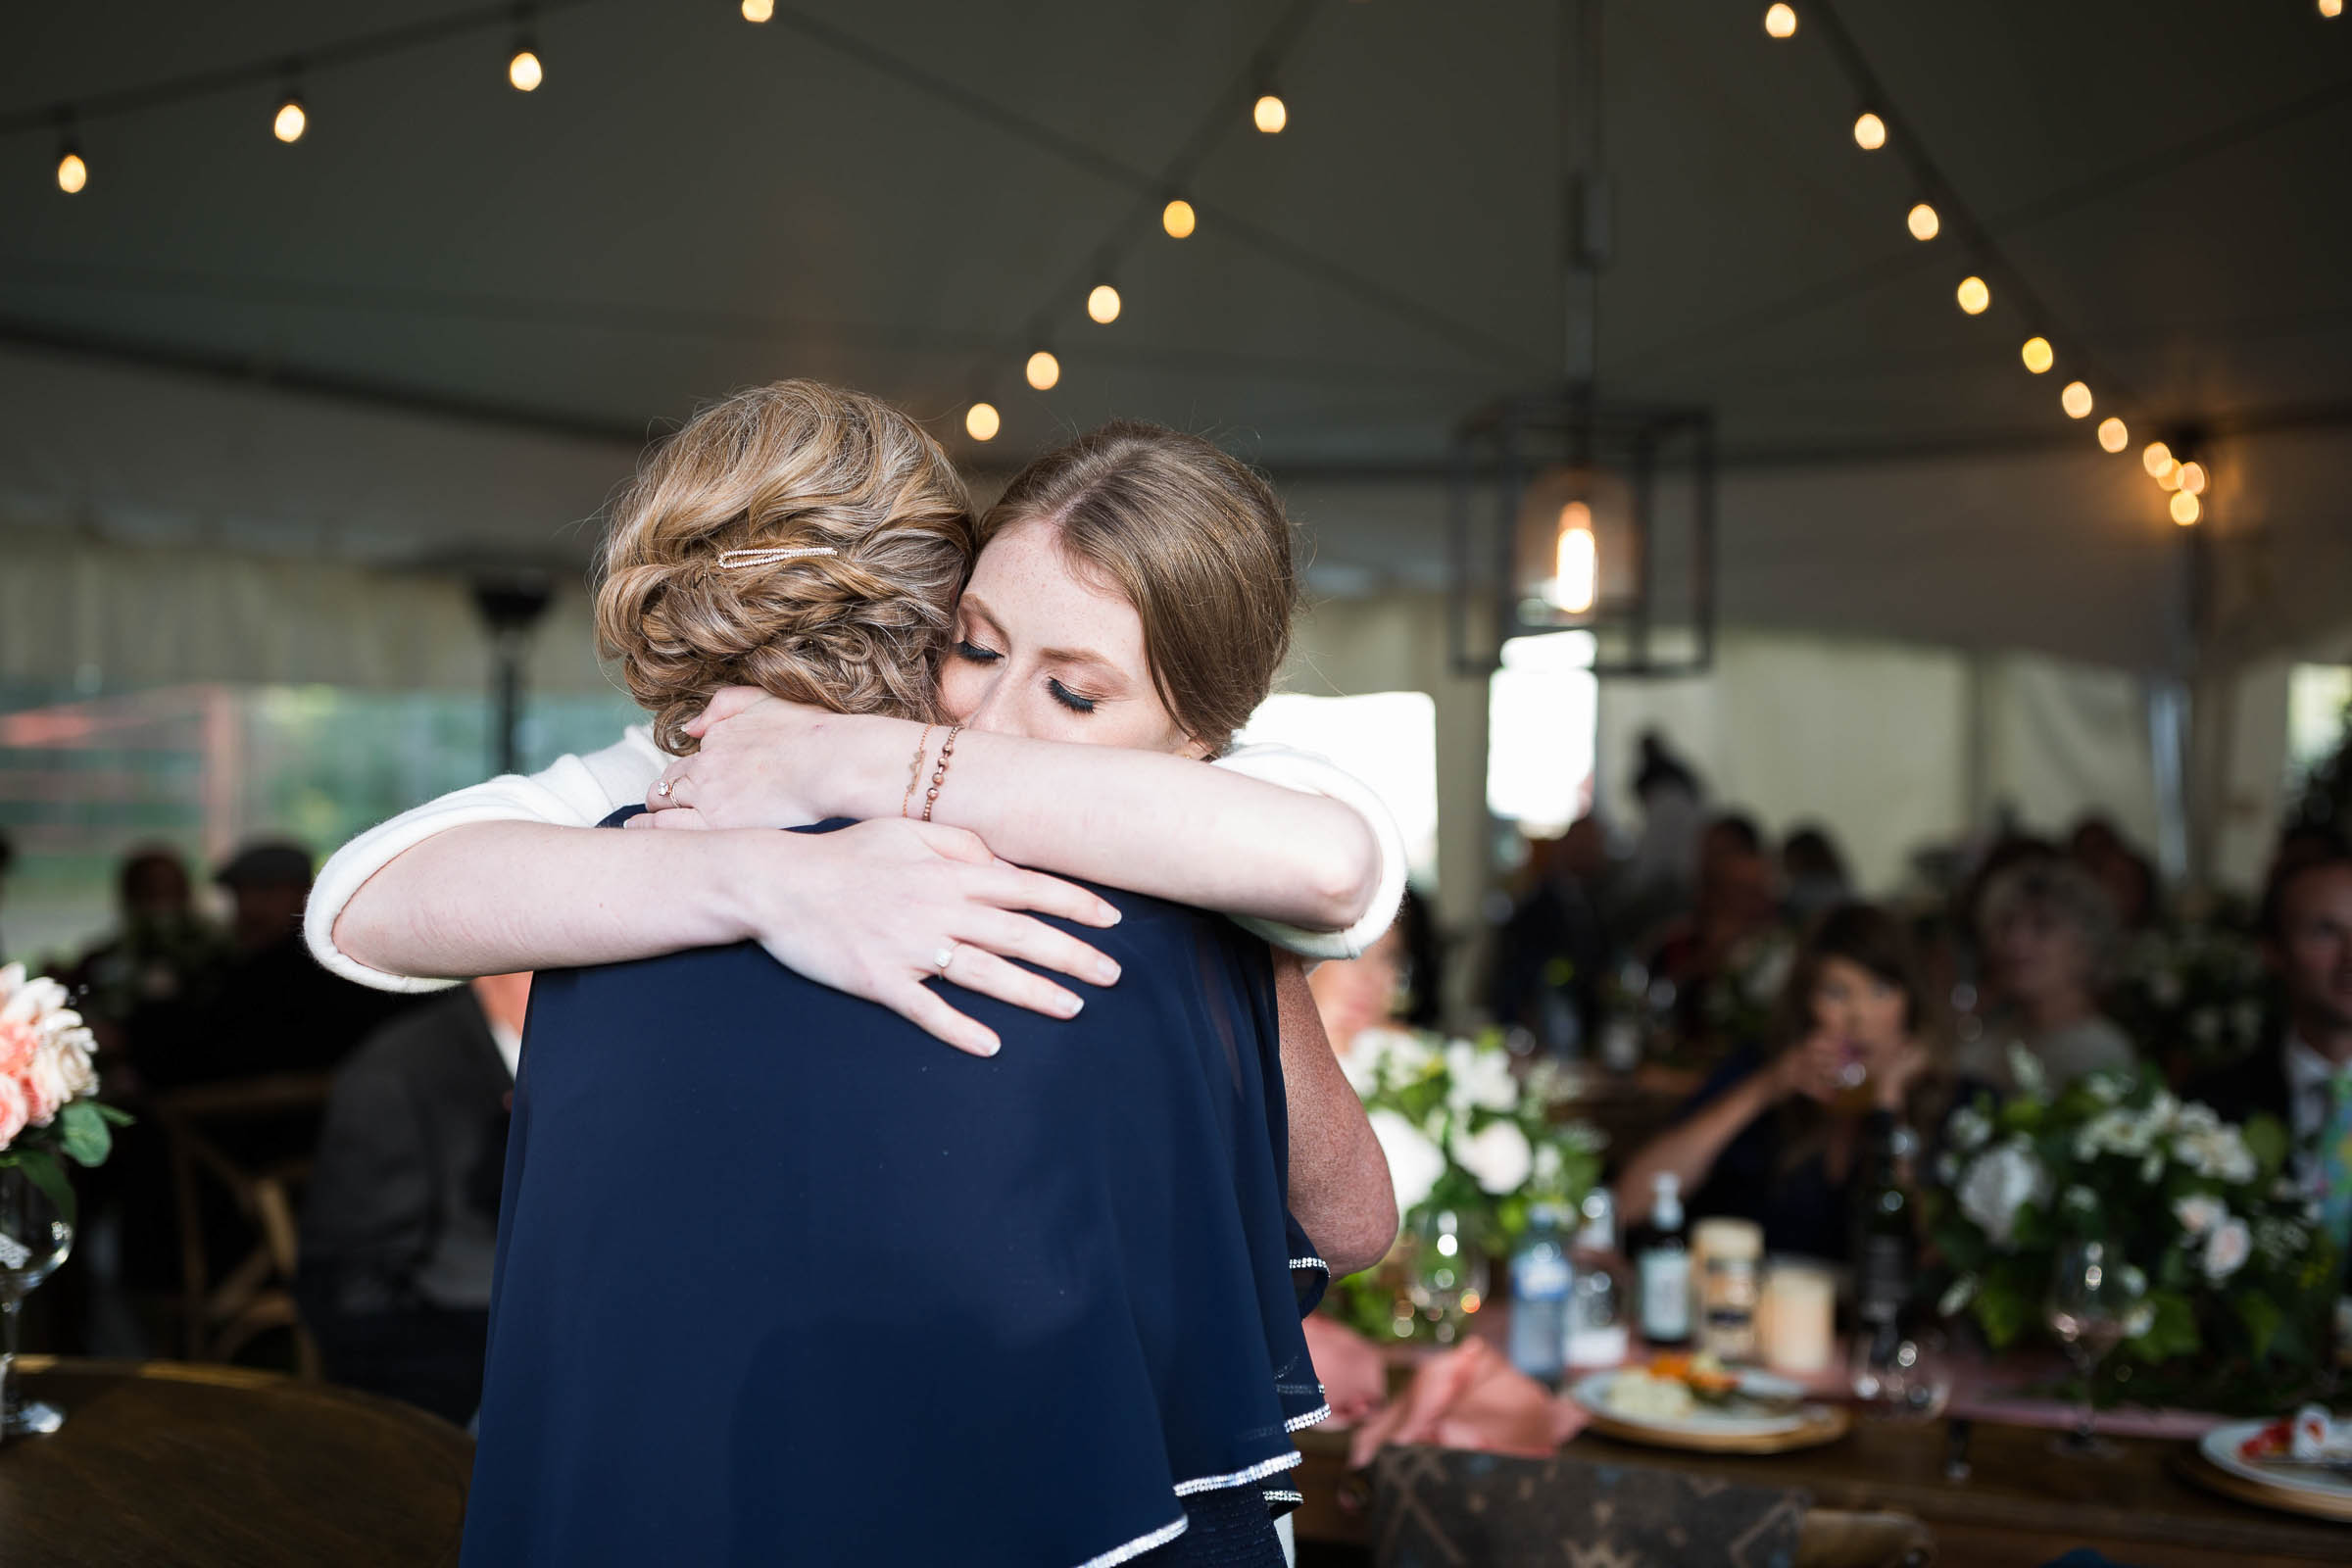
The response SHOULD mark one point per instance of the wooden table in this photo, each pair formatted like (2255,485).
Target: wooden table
(165,1463)
(2021,1503)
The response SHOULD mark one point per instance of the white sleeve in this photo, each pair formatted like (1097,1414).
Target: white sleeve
(1295,770)
(575,792)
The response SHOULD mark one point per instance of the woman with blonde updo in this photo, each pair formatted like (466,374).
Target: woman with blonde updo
(1135,593)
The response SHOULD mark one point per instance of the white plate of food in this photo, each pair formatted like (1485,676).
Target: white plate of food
(1696,1396)
(2304,1461)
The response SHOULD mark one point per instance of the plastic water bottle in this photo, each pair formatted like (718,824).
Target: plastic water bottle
(1540,1295)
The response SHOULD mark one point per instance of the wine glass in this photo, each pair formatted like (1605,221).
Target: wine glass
(35,1237)
(2096,1301)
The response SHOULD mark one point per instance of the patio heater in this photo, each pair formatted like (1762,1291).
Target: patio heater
(1567,511)
(510,605)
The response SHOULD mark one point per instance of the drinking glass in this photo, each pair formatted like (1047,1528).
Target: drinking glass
(2096,1301)
(1448,1279)
(34,1238)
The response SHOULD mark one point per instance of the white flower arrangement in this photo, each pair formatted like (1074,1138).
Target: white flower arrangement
(2238,1282)
(1466,1129)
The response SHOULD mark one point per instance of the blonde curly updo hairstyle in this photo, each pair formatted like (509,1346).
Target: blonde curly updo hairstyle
(790,466)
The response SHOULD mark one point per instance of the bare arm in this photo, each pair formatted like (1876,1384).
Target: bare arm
(1155,823)
(1339,1186)
(1691,1147)
(865,910)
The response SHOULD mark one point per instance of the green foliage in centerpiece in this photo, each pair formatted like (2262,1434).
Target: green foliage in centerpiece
(2195,994)
(2239,1281)
(1466,1130)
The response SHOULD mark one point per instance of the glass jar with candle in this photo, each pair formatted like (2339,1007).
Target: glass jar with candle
(1726,1255)
(1796,1318)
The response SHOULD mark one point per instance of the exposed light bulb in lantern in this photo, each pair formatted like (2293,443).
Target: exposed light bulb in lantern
(2156,458)
(1269,114)
(759,10)
(1043,370)
(2074,400)
(291,121)
(71,172)
(2038,355)
(1870,132)
(1781,22)
(2185,508)
(1102,304)
(1924,225)
(980,421)
(2114,434)
(2193,477)
(1177,218)
(524,70)
(1972,295)
(1576,562)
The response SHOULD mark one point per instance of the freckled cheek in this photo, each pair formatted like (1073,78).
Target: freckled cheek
(962,687)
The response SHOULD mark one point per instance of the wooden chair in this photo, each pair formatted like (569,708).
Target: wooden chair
(222,1316)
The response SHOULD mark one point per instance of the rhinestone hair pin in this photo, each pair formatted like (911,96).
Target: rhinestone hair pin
(732,559)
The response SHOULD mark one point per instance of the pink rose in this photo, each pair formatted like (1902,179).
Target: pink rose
(15,1108)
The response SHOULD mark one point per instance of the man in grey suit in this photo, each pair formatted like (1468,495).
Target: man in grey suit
(400,1229)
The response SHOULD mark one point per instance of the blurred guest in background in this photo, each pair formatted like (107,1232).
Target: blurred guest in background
(8,860)
(276,1010)
(1813,876)
(1708,957)
(1396,981)
(1553,955)
(2304,1079)
(2100,848)
(1661,875)
(158,965)
(1777,1133)
(401,1225)
(2048,936)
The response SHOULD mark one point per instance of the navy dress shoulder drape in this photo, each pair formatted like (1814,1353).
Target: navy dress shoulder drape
(782,1279)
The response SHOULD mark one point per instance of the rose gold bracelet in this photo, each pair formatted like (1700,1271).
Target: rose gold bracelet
(914,771)
(938,775)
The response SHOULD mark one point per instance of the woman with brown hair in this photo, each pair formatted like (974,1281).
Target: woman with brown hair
(1779,1134)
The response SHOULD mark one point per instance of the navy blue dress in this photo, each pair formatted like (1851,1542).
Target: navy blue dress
(782,1279)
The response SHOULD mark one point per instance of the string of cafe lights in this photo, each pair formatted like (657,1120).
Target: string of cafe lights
(2179,475)
(1269,114)
(292,112)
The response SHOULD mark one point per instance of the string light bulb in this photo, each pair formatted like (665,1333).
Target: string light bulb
(525,70)
(1102,304)
(2074,399)
(2157,458)
(980,421)
(1972,295)
(1269,114)
(1043,370)
(1178,218)
(71,172)
(2114,434)
(759,10)
(1870,132)
(2169,478)
(2193,477)
(1781,22)
(291,121)
(2038,355)
(2331,8)
(1924,225)
(2186,510)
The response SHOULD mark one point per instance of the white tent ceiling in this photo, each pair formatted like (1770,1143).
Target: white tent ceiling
(439,326)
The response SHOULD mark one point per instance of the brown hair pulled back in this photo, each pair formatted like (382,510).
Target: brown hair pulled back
(790,465)
(1193,539)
